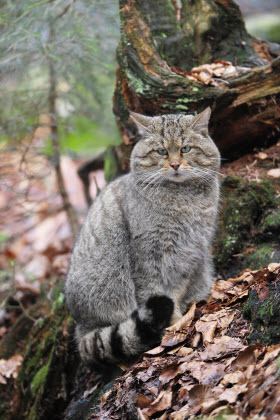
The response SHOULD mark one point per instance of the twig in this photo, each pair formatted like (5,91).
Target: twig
(70,212)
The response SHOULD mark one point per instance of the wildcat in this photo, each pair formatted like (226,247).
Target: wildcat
(143,253)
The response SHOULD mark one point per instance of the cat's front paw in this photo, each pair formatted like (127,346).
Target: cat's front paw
(85,347)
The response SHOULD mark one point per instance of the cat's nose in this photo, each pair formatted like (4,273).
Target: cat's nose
(175,165)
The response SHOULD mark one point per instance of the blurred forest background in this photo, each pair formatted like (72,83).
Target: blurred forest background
(57,80)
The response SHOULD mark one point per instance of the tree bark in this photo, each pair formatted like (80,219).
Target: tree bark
(162,41)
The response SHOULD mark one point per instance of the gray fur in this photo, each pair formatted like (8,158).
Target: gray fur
(147,234)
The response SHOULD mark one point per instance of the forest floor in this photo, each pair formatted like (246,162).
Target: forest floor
(213,363)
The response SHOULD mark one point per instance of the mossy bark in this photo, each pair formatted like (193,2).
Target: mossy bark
(248,231)
(160,40)
(264,315)
(42,388)
(52,383)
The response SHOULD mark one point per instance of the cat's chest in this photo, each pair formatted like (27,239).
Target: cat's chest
(167,227)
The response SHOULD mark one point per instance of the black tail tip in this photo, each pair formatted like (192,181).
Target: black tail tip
(162,308)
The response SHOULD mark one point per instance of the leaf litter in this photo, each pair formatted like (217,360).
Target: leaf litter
(35,238)
(214,74)
(223,375)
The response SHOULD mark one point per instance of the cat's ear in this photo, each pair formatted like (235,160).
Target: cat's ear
(201,121)
(142,122)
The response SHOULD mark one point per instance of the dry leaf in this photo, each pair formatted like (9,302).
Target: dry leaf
(184,351)
(9,368)
(25,286)
(261,155)
(204,373)
(171,338)
(222,346)
(273,267)
(274,173)
(207,328)
(155,351)
(38,267)
(185,321)
(169,374)
(162,402)
(141,416)
(234,378)
(245,358)
(231,394)
(143,401)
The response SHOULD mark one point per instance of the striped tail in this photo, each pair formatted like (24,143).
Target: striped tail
(126,340)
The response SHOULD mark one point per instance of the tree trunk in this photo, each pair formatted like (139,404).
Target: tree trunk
(162,41)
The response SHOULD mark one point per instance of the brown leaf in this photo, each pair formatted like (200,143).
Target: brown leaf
(245,358)
(25,286)
(145,375)
(9,368)
(180,415)
(222,346)
(38,267)
(261,155)
(185,321)
(271,354)
(168,374)
(205,373)
(143,401)
(155,351)
(234,378)
(231,394)
(184,351)
(172,338)
(207,328)
(274,173)
(60,263)
(273,267)
(196,339)
(141,416)
(257,397)
(162,402)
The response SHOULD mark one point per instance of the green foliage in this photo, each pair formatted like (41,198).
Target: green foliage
(78,39)
(82,136)
(39,378)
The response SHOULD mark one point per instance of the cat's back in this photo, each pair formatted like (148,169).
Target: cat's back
(109,204)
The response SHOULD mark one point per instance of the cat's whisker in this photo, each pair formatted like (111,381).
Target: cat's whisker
(208,171)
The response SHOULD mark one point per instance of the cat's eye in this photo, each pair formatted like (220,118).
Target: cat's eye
(162,152)
(185,149)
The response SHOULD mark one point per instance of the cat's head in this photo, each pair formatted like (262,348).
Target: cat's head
(175,147)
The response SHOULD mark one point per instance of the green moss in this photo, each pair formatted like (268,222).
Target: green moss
(39,379)
(244,206)
(135,83)
(264,315)
(111,165)
(272,222)
(58,302)
(261,257)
